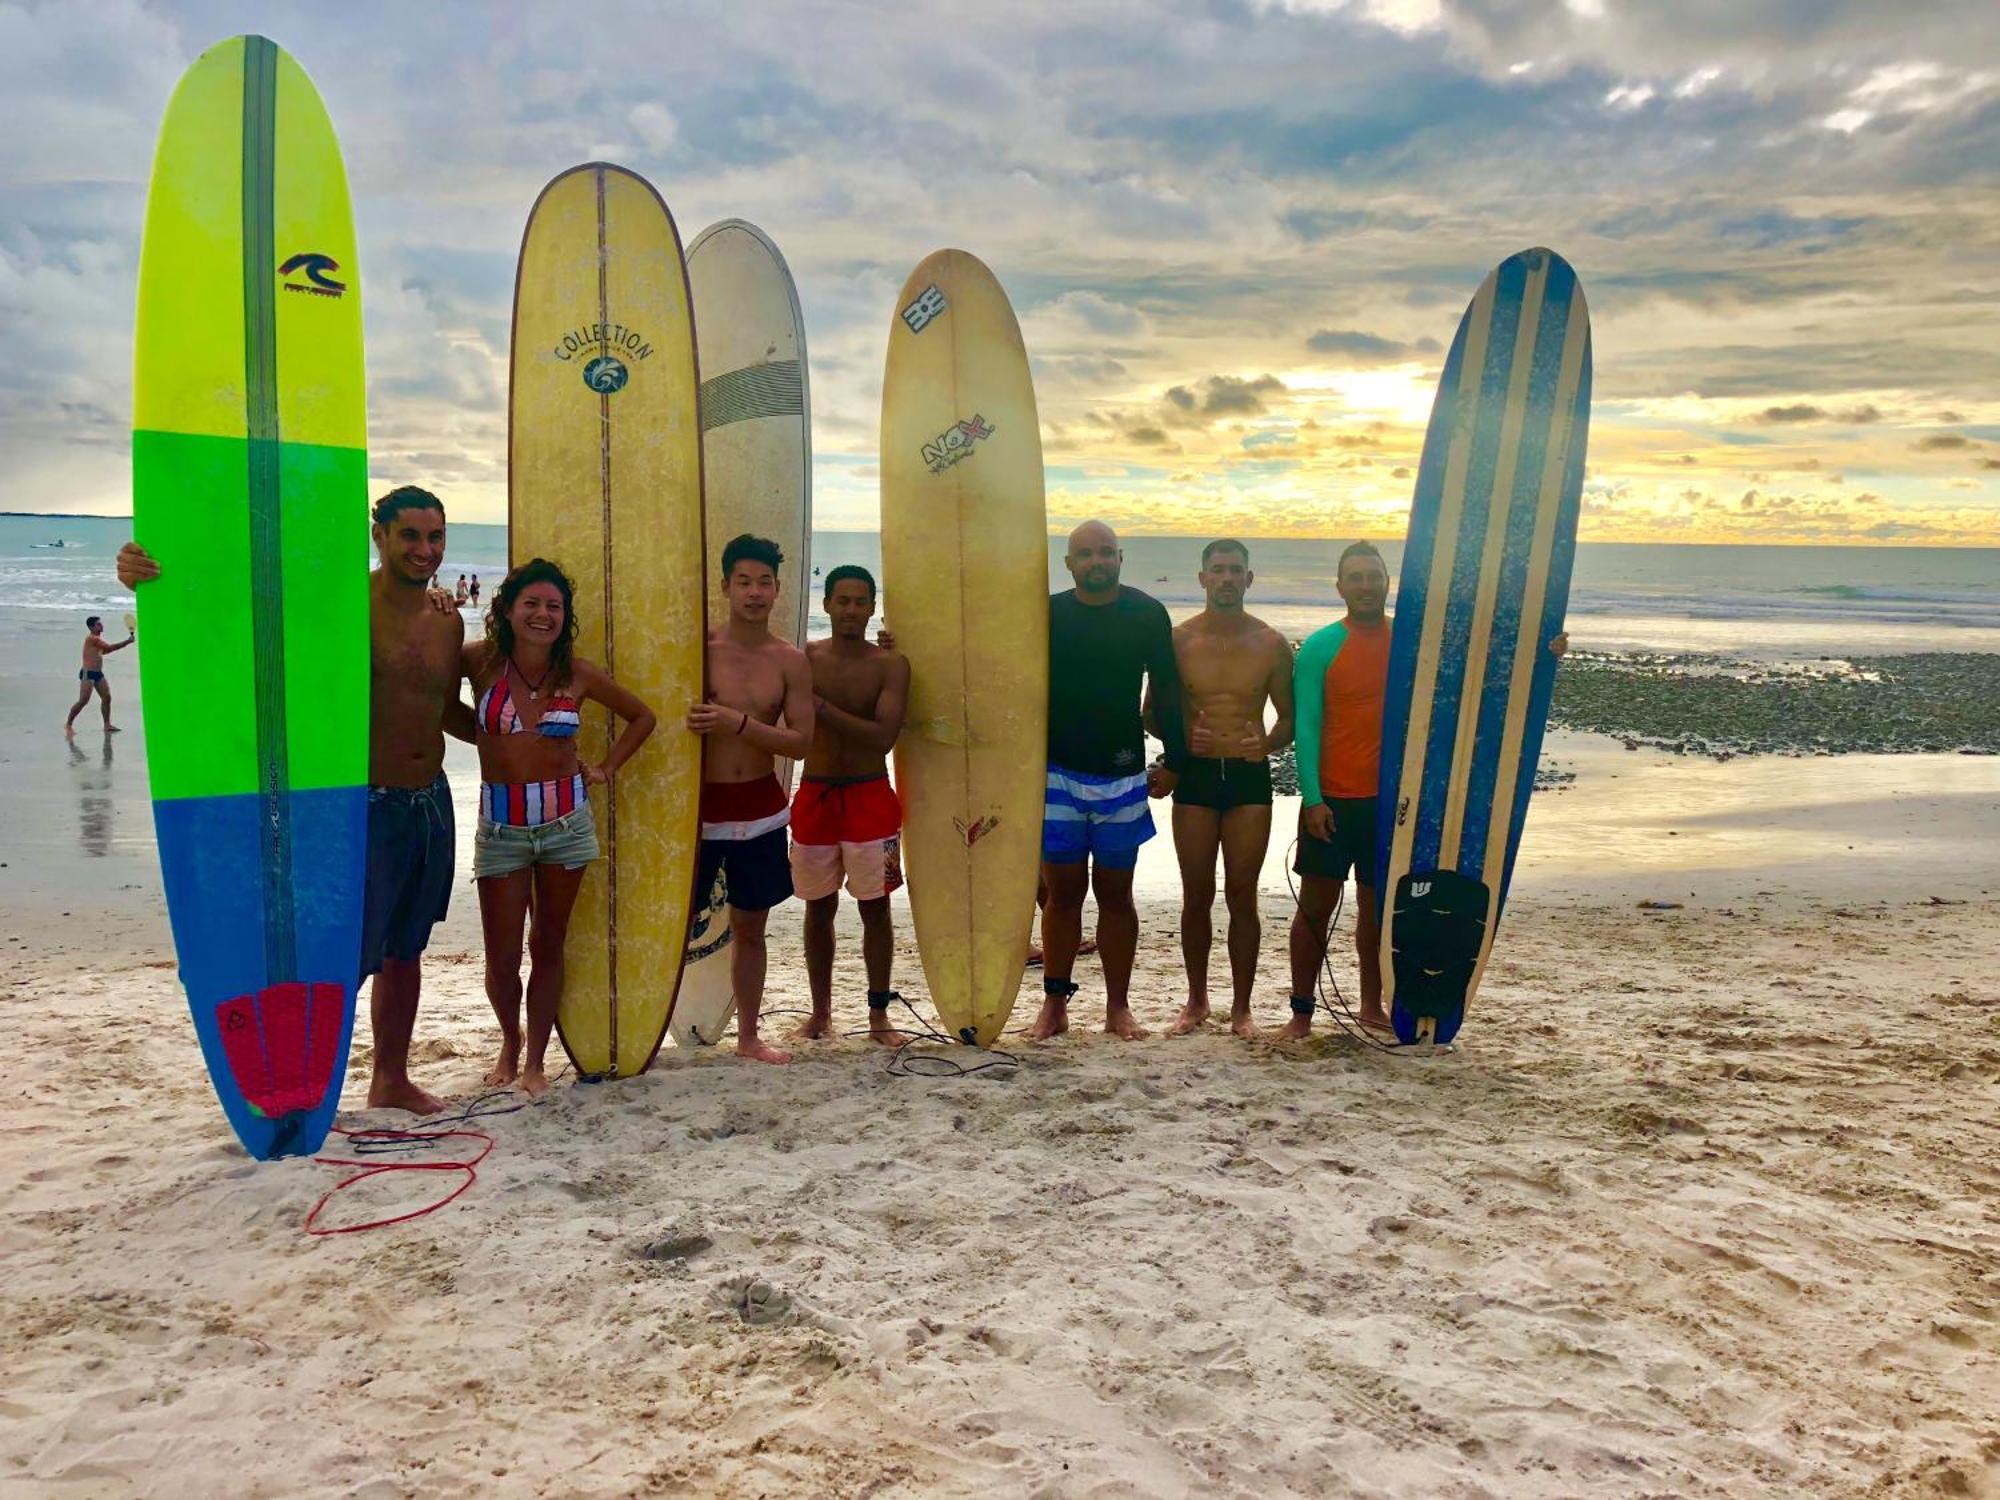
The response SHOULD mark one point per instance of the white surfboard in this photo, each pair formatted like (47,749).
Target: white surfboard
(757,477)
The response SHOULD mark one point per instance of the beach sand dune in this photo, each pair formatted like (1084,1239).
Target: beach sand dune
(1707,1205)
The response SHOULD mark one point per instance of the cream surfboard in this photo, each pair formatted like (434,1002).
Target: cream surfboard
(965,585)
(756,421)
(604,478)
(1485,582)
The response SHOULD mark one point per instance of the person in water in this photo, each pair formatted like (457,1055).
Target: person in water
(536,835)
(472,592)
(415,634)
(1339,682)
(91,674)
(1104,639)
(754,680)
(1232,665)
(846,820)
(458,593)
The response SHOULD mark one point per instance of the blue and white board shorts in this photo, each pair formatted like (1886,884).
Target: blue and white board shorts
(1103,818)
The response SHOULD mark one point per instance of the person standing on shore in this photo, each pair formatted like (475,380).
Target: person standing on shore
(415,636)
(846,819)
(1231,664)
(754,680)
(1104,640)
(537,836)
(91,674)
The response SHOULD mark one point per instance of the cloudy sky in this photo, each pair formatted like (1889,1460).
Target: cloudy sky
(1239,234)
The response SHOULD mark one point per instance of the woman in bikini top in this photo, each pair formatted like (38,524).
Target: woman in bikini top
(536,835)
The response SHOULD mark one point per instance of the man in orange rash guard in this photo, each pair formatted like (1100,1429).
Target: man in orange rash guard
(1338,684)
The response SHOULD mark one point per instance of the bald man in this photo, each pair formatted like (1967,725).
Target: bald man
(1105,640)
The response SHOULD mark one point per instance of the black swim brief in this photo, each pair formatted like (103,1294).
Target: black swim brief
(84,674)
(412,844)
(1352,846)
(1224,784)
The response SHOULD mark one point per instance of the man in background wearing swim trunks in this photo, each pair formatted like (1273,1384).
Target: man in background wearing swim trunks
(1231,665)
(846,819)
(754,680)
(415,634)
(91,675)
(1103,640)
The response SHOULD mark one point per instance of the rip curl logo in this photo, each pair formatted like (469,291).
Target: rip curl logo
(1420,888)
(954,444)
(313,267)
(929,306)
(606,375)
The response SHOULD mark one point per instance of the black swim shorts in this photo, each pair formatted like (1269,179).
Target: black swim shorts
(412,844)
(759,869)
(1223,784)
(1352,846)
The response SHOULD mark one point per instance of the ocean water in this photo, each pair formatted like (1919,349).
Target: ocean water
(1767,604)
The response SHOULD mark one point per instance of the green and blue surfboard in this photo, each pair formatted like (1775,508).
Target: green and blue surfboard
(249,485)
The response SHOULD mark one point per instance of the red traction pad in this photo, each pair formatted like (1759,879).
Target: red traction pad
(282,1044)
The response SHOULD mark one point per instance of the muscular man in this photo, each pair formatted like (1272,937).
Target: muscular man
(846,819)
(754,679)
(1103,640)
(413,700)
(91,675)
(1231,665)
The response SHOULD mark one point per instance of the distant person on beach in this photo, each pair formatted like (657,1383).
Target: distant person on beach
(415,636)
(460,592)
(754,680)
(472,591)
(846,820)
(1232,664)
(536,835)
(1339,682)
(91,674)
(1104,640)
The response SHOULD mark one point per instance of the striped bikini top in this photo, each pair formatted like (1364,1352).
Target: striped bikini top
(496,713)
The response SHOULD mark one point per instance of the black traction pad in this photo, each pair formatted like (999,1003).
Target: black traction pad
(1440,924)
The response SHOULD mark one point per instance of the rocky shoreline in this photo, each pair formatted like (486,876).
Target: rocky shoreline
(1695,704)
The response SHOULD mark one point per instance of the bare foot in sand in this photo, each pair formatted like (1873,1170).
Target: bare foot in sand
(1373,1018)
(404,1095)
(1192,1015)
(1244,1027)
(882,1034)
(1123,1024)
(1053,1021)
(508,1067)
(1034,953)
(813,1029)
(112,729)
(758,1050)
(1087,947)
(534,1082)
(1297,1029)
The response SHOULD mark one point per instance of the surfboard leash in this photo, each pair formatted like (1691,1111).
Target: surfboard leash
(1343,1017)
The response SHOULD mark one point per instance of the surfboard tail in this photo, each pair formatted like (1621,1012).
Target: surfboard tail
(1438,935)
(283,1045)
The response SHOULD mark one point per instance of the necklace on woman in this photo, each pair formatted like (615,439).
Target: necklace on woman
(534,688)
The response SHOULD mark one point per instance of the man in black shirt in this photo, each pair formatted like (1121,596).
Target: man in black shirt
(1104,639)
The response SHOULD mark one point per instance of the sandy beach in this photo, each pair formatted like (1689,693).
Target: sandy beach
(1704,1205)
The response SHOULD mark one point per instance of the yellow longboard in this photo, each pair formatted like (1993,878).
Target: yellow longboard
(604,478)
(965,585)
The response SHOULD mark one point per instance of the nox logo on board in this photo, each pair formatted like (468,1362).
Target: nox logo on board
(929,305)
(955,443)
(307,272)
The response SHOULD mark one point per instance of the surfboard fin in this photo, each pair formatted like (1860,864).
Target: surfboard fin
(1439,929)
(283,1045)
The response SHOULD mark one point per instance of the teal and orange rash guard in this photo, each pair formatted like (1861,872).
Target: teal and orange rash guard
(1339,680)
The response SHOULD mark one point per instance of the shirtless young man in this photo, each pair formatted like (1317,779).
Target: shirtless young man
(91,675)
(413,700)
(845,818)
(1231,665)
(754,679)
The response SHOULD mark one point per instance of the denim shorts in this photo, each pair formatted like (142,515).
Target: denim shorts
(411,844)
(503,848)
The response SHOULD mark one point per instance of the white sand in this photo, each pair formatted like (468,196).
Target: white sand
(1707,1205)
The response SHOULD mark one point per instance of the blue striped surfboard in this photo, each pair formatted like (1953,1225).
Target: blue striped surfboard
(1484,586)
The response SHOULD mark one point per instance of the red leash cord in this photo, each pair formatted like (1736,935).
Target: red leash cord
(369,1169)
